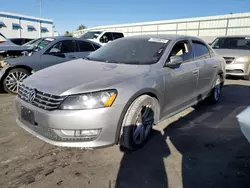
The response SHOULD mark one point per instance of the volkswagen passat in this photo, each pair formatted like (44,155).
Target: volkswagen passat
(120,91)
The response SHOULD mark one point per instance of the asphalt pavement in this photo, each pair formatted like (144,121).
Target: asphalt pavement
(193,149)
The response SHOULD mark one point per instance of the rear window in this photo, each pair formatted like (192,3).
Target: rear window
(239,43)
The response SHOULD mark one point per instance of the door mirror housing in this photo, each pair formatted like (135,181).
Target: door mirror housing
(175,61)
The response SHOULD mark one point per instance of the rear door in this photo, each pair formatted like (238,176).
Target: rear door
(60,52)
(207,67)
(84,49)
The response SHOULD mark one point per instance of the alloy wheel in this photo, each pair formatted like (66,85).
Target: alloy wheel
(217,90)
(13,80)
(144,123)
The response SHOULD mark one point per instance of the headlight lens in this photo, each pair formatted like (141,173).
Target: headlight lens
(3,64)
(242,59)
(89,100)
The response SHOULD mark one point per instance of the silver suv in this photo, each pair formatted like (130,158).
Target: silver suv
(236,52)
(120,91)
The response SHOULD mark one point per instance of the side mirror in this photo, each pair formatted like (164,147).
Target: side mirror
(175,61)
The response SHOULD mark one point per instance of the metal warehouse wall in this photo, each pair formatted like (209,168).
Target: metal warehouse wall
(207,28)
(8,19)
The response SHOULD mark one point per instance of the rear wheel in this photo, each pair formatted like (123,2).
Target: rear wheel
(13,79)
(138,122)
(216,91)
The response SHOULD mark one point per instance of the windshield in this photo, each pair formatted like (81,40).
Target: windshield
(131,51)
(38,44)
(91,34)
(239,43)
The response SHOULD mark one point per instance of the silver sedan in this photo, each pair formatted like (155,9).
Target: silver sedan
(120,91)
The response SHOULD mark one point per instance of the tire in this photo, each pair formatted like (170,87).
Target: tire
(135,130)
(13,78)
(216,91)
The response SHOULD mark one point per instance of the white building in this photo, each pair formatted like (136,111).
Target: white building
(207,28)
(15,26)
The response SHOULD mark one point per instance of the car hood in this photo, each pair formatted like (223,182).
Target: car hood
(79,76)
(13,48)
(23,60)
(232,53)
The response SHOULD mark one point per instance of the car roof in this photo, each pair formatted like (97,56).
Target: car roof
(165,36)
(234,36)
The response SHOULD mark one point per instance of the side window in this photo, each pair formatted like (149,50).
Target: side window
(85,46)
(182,49)
(96,46)
(106,37)
(66,46)
(117,35)
(200,50)
(56,48)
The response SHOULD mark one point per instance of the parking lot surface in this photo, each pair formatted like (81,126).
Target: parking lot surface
(195,148)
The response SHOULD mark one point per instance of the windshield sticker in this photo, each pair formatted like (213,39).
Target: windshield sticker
(158,40)
(49,39)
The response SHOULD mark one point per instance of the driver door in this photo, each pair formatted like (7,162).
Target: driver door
(60,52)
(181,81)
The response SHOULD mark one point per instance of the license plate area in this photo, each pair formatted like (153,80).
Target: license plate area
(27,115)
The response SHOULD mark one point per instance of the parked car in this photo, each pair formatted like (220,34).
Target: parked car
(244,121)
(236,52)
(44,52)
(120,91)
(102,37)
(12,47)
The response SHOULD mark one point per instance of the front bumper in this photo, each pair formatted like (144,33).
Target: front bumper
(49,123)
(237,69)
(244,121)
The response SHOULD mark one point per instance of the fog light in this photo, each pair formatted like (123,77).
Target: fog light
(85,134)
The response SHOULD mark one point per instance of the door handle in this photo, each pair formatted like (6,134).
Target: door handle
(196,71)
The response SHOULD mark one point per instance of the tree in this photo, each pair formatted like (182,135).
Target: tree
(67,33)
(81,27)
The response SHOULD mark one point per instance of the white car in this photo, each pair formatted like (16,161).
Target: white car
(102,37)
(244,121)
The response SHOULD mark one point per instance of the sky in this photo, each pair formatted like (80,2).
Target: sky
(69,14)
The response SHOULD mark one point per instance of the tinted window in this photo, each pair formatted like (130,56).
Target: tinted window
(106,37)
(17,41)
(182,49)
(66,46)
(117,35)
(130,51)
(85,46)
(200,50)
(96,46)
(241,43)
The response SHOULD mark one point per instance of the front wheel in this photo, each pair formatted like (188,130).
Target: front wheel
(13,79)
(138,122)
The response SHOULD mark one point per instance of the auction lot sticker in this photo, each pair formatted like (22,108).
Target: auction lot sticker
(158,40)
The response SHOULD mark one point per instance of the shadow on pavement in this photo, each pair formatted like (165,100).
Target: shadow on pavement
(214,151)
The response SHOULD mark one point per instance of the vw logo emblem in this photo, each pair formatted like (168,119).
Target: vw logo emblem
(32,95)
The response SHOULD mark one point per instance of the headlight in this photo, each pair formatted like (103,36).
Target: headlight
(89,100)
(242,59)
(3,64)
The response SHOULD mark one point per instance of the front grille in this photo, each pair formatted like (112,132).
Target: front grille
(229,59)
(42,100)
